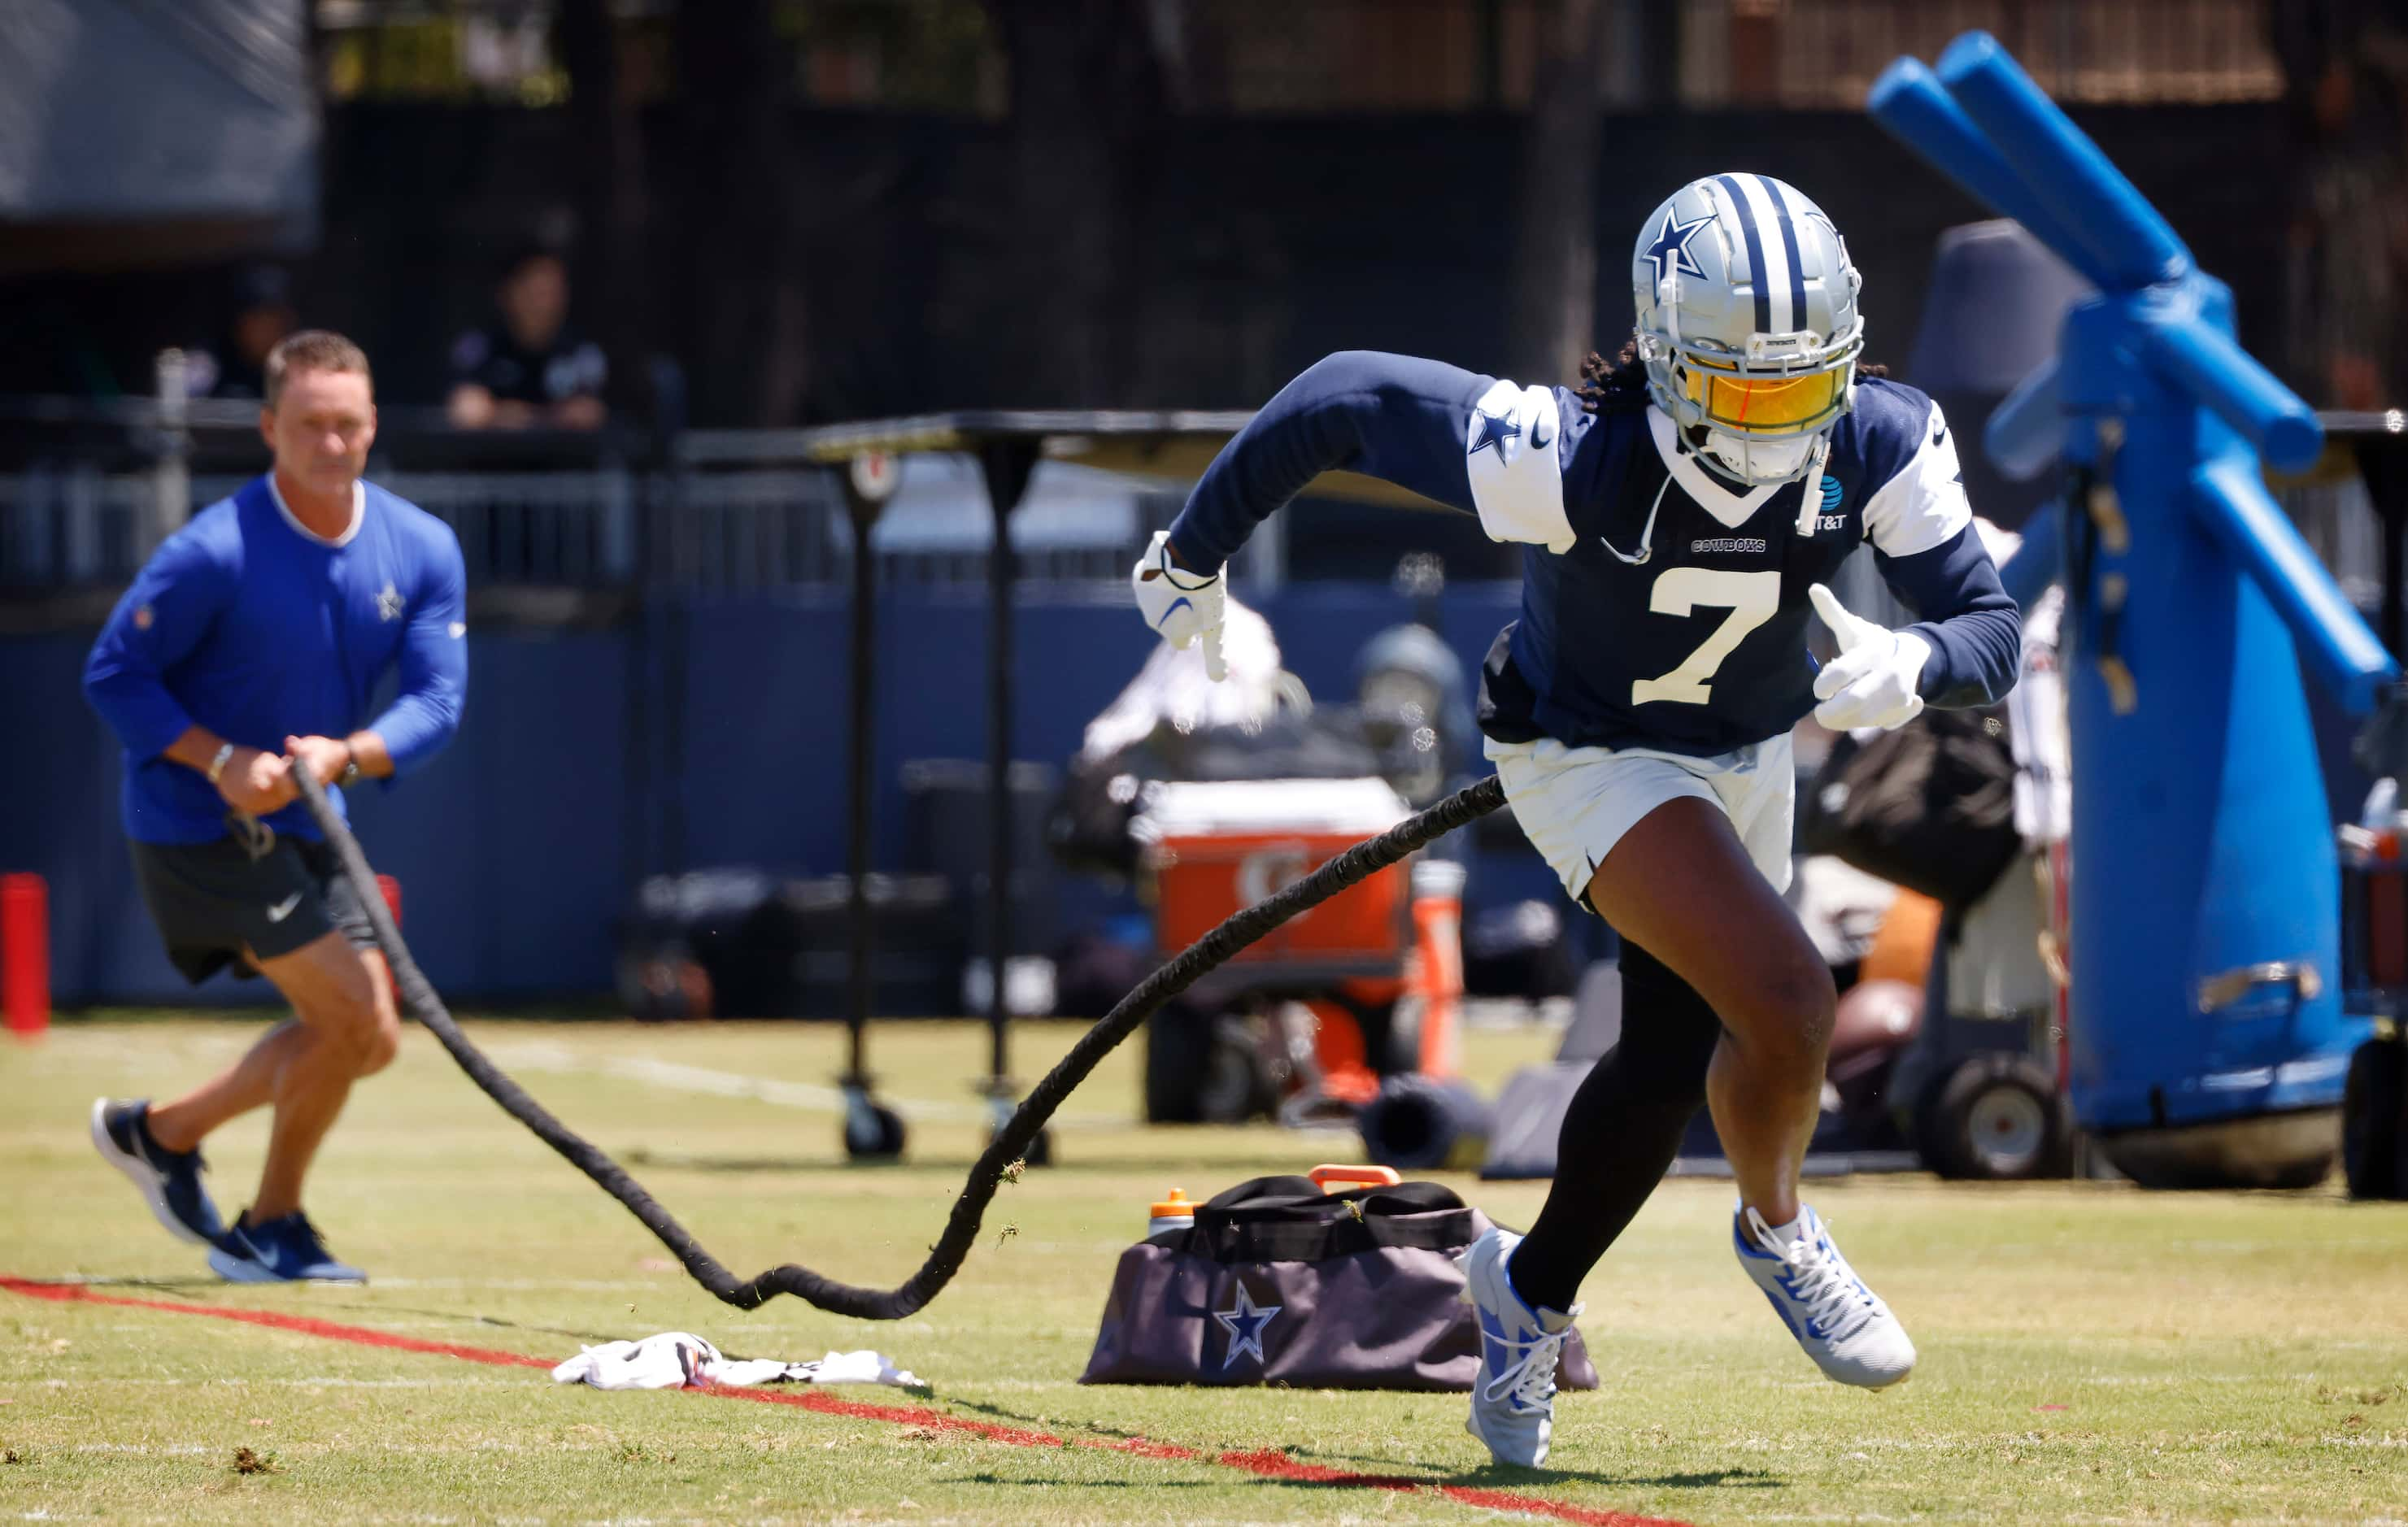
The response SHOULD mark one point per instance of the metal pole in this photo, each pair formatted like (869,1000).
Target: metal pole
(871,1131)
(1007,464)
(171,480)
(864,635)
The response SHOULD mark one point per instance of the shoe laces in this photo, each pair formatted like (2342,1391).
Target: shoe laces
(1530,1378)
(292,1230)
(1820,1280)
(309,1232)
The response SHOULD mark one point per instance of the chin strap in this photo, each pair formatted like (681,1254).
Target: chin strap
(1809,503)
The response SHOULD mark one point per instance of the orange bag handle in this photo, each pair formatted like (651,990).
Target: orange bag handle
(1369,1176)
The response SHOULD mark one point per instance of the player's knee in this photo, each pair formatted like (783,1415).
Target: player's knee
(365,1027)
(375,1048)
(1785,1007)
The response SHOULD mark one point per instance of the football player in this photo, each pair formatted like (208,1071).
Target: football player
(1682,512)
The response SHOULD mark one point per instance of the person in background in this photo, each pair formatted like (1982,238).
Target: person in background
(235,364)
(250,646)
(529,370)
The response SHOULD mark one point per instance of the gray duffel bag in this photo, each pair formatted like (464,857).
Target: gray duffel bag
(1278,1282)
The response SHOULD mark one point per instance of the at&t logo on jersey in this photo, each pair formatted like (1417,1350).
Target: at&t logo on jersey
(1830,517)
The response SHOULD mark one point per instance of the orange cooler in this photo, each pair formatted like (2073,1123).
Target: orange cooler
(1216,848)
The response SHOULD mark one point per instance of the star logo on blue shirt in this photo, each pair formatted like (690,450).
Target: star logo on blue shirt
(1245,1324)
(1495,430)
(1669,253)
(389,602)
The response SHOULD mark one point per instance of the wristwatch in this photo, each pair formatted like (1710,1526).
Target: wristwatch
(351,775)
(218,760)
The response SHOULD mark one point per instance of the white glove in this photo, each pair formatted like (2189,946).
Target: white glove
(1180,605)
(1873,680)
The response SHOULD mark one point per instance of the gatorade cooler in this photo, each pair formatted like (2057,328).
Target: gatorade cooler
(1214,848)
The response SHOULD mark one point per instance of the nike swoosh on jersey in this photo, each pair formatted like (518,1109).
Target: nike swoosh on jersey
(284,908)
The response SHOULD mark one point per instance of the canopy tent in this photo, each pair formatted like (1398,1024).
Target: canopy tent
(220,159)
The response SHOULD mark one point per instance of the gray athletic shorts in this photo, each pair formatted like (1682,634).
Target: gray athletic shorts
(211,899)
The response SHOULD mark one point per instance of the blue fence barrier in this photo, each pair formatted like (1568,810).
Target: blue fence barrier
(519,846)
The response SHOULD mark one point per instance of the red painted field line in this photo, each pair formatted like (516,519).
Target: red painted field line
(74,1293)
(1269,1465)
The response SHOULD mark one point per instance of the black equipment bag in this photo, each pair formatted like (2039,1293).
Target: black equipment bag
(1930,806)
(1279,1282)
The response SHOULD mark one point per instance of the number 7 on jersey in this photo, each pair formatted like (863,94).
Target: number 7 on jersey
(1751,597)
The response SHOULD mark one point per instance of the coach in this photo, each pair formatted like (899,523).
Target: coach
(250,646)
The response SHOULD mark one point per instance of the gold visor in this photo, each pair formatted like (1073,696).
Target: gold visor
(1764,404)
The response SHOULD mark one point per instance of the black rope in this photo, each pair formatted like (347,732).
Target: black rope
(1010,1143)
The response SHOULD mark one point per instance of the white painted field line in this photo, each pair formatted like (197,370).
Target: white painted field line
(678,1076)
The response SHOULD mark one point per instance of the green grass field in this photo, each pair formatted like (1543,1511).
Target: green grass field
(2090,1353)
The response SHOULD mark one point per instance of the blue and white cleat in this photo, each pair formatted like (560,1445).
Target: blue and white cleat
(1513,1394)
(1842,1325)
(285,1250)
(171,1180)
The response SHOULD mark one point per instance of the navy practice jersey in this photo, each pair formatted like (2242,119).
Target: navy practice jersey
(1663,605)
(249,623)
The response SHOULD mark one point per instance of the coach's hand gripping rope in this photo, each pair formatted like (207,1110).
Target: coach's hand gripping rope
(1010,1143)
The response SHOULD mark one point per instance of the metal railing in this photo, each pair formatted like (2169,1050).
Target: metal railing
(560,529)
(80,519)
(75,527)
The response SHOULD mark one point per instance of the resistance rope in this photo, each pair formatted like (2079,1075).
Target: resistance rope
(1010,1143)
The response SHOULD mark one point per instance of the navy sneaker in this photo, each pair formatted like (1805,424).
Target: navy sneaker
(285,1250)
(171,1180)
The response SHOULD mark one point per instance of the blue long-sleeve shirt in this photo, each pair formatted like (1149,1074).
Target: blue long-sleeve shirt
(250,624)
(1662,606)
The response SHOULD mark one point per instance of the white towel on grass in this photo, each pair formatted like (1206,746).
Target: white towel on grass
(680,1359)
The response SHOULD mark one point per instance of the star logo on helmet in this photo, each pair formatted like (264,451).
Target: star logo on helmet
(1669,253)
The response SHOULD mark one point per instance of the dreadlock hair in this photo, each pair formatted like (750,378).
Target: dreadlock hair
(1620,385)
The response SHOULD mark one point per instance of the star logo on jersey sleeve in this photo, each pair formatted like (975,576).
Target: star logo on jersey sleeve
(1495,430)
(1669,253)
(389,602)
(1245,1323)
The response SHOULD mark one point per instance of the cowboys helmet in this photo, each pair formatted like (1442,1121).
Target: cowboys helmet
(1747,323)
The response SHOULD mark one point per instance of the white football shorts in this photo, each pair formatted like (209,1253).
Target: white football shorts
(1575,803)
